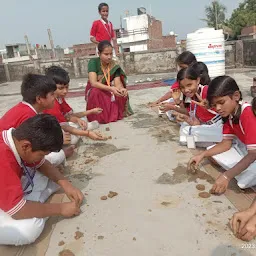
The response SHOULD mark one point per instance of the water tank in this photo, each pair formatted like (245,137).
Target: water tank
(208,45)
(141,11)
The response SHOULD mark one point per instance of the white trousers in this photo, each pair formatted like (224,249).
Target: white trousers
(21,232)
(230,158)
(204,135)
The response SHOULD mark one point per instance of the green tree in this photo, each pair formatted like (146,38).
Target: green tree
(243,16)
(215,14)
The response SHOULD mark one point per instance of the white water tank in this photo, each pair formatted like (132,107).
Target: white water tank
(208,45)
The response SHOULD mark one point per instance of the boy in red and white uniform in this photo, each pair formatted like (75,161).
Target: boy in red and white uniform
(72,123)
(23,211)
(38,95)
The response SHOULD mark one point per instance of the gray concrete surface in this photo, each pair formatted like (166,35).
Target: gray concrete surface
(157,211)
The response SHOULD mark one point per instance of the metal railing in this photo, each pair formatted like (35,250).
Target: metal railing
(126,33)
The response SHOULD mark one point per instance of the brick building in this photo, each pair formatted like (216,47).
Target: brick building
(143,32)
(80,50)
(248,33)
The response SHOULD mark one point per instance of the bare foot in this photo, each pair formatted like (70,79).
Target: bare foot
(69,151)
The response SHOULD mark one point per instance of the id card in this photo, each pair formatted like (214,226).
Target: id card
(113,98)
(191,142)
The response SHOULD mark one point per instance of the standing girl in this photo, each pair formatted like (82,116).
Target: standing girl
(236,153)
(103,29)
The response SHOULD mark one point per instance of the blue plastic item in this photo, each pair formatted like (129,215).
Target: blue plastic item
(170,81)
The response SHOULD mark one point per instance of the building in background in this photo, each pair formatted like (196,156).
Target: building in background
(143,32)
(20,52)
(248,33)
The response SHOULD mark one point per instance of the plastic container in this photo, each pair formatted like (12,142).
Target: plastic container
(208,45)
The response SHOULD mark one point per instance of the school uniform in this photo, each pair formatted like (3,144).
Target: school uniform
(244,139)
(16,116)
(102,30)
(15,191)
(61,110)
(210,130)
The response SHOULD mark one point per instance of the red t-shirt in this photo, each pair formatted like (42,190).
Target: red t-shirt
(102,31)
(11,192)
(16,116)
(60,110)
(244,130)
(203,114)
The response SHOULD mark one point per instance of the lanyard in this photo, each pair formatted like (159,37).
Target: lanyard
(106,75)
(30,177)
(194,111)
(108,29)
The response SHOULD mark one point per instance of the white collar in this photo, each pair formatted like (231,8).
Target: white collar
(104,22)
(8,140)
(29,105)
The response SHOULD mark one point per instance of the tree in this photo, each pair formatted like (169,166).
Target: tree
(243,16)
(215,14)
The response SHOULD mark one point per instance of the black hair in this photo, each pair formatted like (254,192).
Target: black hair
(43,131)
(203,72)
(189,73)
(186,57)
(58,74)
(101,6)
(104,44)
(34,85)
(224,86)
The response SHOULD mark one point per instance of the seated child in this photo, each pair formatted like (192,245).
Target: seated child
(198,121)
(23,211)
(184,60)
(70,122)
(38,95)
(236,153)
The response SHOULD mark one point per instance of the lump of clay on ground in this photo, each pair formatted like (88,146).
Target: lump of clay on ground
(200,187)
(104,198)
(66,253)
(78,235)
(112,194)
(204,194)
(61,243)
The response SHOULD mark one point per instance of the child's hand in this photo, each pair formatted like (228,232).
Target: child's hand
(96,111)
(176,94)
(240,219)
(153,104)
(95,135)
(248,232)
(221,185)
(66,138)
(202,102)
(167,106)
(82,123)
(69,209)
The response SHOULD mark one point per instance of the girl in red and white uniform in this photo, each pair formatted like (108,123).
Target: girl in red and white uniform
(198,121)
(236,153)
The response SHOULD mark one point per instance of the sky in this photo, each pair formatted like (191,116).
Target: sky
(70,21)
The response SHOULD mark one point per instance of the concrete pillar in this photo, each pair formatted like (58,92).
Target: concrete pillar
(7,73)
(76,67)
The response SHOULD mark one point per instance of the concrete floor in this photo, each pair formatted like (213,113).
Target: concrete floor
(157,211)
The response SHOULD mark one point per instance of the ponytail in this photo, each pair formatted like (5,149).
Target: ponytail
(203,72)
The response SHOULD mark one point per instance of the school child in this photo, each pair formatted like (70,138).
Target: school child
(168,100)
(72,123)
(236,153)
(103,29)
(202,124)
(23,211)
(38,95)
